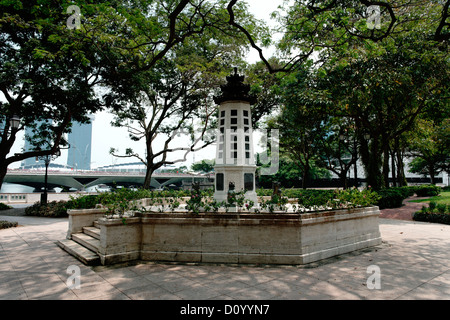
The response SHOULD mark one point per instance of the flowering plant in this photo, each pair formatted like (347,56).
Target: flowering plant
(195,202)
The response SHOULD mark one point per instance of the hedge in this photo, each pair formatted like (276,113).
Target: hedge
(428,190)
(391,198)
(439,213)
(432,217)
(4,206)
(55,209)
(7,224)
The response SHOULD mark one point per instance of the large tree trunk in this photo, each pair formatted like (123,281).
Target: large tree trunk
(343,178)
(3,170)
(432,174)
(371,159)
(305,176)
(393,170)
(385,162)
(148,177)
(401,178)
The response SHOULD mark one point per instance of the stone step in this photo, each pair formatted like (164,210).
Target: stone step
(92,231)
(87,241)
(80,252)
(96,225)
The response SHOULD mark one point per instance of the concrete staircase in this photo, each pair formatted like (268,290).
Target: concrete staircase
(84,245)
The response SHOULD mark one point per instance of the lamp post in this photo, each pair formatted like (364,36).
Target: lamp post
(47,159)
(14,122)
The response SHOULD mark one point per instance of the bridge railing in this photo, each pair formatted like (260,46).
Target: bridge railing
(13,197)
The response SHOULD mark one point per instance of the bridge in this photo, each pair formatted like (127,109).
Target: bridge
(82,180)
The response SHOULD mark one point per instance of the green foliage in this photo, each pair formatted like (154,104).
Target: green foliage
(4,206)
(195,201)
(315,198)
(7,224)
(321,199)
(391,198)
(427,190)
(430,144)
(53,209)
(203,166)
(337,199)
(83,202)
(276,202)
(354,198)
(438,213)
(442,208)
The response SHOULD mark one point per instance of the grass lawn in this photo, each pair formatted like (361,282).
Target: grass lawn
(444,197)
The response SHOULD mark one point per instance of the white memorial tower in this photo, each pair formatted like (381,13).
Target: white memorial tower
(235,161)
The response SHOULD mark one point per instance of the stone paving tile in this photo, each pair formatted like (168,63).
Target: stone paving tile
(197,292)
(43,285)
(150,292)
(120,273)
(94,291)
(253,293)
(16,295)
(10,286)
(125,283)
(427,291)
(65,295)
(413,261)
(112,296)
(442,280)
(225,284)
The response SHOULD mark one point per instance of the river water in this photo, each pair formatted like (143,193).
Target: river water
(17,188)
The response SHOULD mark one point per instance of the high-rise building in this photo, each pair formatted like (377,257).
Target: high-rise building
(80,142)
(30,132)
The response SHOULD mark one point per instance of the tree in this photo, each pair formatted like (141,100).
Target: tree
(328,27)
(338,150)
(168,107)
(385,96)
(266,87)
(175,96)
(47,73)
(301,129)
(289,174)
(205,166)
(430,147)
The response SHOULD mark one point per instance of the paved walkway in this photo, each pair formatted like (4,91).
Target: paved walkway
(413,263)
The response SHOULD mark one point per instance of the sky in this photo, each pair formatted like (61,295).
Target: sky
(104,136)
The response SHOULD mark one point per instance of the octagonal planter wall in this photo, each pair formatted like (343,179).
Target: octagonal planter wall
(238,237)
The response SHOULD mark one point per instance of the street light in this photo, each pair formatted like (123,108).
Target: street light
(47,158)
(14,122)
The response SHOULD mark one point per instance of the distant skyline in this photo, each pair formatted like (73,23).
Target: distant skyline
(104,136)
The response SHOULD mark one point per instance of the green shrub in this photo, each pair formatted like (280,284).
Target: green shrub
(7,224)
(432,206)
(4,206)
(311,198)
(432,217)
(391,198)
(441,208)
(427,190)
(53,209)
(438,213)
(335,199)
(83,202)
(407,191)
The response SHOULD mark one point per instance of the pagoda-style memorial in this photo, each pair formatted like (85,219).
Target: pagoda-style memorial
(151,233)
(235,162)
